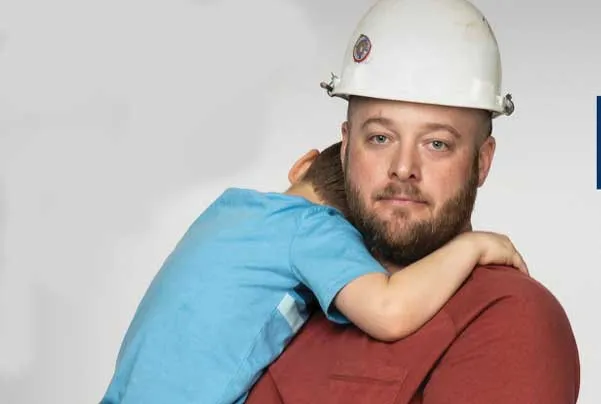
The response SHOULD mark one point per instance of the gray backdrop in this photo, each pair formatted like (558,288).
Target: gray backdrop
(120,120)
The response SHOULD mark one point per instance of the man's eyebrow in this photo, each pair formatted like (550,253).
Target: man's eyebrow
(388,123)
(433,127)
(426,128)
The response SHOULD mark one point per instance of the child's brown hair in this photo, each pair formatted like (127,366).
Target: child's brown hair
(327,178)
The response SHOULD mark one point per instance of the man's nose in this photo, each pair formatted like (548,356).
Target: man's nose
(405,164)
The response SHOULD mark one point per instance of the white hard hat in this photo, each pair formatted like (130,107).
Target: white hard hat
(427,51)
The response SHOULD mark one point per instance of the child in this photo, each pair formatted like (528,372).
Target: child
(245,276)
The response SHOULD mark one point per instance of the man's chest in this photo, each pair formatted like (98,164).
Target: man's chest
(333,364)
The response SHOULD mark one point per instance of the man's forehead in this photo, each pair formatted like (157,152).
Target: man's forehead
(364,111)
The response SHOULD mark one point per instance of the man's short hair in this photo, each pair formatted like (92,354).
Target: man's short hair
(327,178)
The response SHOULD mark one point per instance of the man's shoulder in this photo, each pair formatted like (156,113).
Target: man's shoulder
(500,292)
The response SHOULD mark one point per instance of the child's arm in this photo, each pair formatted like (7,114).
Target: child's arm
(392,307)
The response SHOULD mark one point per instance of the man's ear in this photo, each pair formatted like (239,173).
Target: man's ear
(345,130)
(300,167)
(485,157)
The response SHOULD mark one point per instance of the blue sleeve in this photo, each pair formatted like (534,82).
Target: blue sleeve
(326,254)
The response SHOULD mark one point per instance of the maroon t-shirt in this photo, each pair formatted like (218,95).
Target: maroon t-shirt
(502,338)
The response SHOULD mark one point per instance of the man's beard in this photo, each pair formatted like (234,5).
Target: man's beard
(417,238)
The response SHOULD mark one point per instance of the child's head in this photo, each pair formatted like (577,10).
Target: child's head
(326,177)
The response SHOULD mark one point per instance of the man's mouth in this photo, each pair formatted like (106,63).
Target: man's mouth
(402,200)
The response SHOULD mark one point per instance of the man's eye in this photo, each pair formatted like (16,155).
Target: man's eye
(379,139)
(439,145)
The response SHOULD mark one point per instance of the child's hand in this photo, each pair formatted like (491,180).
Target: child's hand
(496,249)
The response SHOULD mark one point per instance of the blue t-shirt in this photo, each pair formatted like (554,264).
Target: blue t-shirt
(232,294)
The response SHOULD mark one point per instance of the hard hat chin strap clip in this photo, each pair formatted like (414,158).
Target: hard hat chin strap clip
(508,105)
(329,87)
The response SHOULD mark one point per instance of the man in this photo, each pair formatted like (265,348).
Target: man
(423,80)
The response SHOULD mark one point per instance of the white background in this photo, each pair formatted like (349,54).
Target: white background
(120,120)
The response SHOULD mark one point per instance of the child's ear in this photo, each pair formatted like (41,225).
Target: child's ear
(300,167)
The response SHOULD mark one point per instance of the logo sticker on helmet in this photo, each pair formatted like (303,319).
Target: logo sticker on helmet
(361,49)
